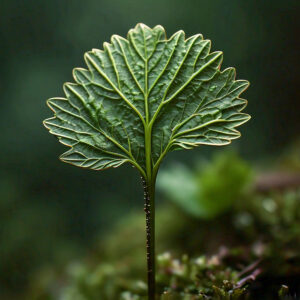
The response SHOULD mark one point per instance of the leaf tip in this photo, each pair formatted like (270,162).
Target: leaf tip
(45,123)
(159,27)
(50,103)
(117,38)
(106,46)
(141,26)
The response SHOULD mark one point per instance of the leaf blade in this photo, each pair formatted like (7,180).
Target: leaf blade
(171,88)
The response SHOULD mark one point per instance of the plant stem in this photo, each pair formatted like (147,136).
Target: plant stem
(149,195)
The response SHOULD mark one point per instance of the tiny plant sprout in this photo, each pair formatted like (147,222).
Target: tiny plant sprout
(142,97)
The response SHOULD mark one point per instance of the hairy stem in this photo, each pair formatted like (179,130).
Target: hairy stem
(149,193)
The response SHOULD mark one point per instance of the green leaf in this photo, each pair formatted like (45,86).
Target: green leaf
(209,189)
(144,96)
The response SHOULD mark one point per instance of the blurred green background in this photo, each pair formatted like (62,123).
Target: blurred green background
(51,212)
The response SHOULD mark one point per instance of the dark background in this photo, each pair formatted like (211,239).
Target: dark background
(51,212)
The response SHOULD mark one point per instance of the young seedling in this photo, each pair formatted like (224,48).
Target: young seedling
(143,97)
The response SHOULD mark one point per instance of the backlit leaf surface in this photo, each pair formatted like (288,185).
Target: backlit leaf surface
(172,88)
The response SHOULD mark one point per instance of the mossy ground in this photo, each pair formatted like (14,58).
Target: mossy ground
(249,251)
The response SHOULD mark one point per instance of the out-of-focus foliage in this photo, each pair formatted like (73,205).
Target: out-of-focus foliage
(249,252)
(290,159)
(277,215)
(203,277)
(211,188)
(200,278)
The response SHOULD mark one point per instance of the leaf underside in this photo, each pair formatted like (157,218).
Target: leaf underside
(172,86)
